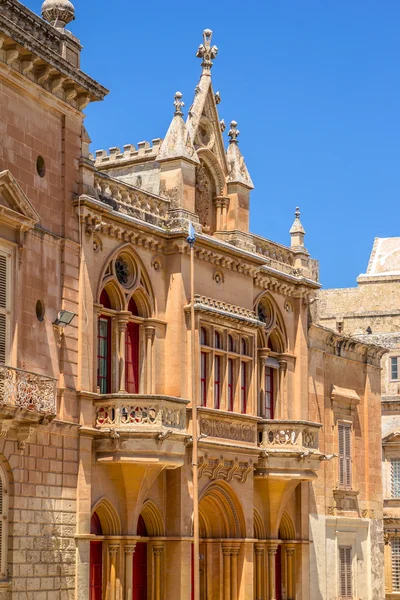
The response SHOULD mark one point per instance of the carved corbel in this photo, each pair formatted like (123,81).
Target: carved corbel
(12,55)
(24,435)
(56,83)
(27,66)
(82,101)
(43,75)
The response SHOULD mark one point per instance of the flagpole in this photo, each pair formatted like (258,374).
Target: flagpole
(196,539)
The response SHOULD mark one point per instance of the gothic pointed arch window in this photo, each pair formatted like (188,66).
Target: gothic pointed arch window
(205,193)
(104,333)
(132,351)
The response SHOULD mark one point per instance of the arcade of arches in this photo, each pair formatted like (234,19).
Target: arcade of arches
(139,567)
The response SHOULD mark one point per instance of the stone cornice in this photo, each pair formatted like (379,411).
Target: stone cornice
(224,310)
(342,345)
(23,33)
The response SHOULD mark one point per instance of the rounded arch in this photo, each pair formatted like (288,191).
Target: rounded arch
(211,161)
(152,519)
(259,529)
(286,528)
(141,283)
(221,514)
(108,516)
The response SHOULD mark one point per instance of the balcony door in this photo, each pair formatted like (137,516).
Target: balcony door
(132,358)
(96,561)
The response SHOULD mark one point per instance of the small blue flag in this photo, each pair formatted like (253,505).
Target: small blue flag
(192,235)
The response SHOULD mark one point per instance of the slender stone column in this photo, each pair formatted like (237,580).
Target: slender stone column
(224,212)
(290,572)
(113,551)
(149,333)
(234,571)
(129,552)
(262,389)
(122,321)
(218,224)
(157,551)
(226,551)
(282,398)
(259,552)
(272,550)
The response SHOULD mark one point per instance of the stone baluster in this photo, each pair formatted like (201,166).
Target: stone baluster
(113,551)
(149,334)
(129,552)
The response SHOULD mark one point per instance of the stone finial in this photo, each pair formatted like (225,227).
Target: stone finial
(297,232)
(207,52)
(178,104)
(58,12)
(233,133)
(222,125)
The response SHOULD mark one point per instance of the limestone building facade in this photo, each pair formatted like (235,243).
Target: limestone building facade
(96,489)
(371,312)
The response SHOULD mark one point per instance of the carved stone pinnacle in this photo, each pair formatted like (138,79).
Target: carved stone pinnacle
(233,133)
(178,104)
(207,52)
(297,212)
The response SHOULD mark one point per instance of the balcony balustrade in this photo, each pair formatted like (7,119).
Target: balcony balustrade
(30,394)
(140,428)
(289,449)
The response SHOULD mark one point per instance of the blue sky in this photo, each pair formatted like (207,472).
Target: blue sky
(313,84)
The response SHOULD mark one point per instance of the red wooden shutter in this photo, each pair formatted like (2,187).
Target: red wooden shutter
(132,358)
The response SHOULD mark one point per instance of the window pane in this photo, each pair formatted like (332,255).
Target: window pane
(230,384)
(395,479)
(103,354)
(132,358)
(203,375)
(269,393)
(396,564)
(394,367)
(217,381)
(243,387)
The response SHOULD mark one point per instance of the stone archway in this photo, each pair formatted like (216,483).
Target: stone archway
(221,523)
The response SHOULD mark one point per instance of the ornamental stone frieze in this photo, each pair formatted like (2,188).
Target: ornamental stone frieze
(221,468)
(228,430)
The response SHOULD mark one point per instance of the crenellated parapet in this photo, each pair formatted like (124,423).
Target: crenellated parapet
(116,157)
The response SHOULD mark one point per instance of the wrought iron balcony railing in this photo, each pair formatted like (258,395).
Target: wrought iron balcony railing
(26,390)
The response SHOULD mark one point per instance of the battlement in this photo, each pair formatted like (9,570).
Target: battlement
(144,150)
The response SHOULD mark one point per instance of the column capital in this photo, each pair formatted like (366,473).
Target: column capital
(259,548)
(123,319)
(290,551)
(283,366)
(272,548)
(150,332)
(113,550)
(223,201)
(130,549)
(226,550)
(158,549)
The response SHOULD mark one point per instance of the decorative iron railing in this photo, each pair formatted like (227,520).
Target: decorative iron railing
(24,389)
(138,412)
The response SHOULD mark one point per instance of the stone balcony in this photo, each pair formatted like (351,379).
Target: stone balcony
(26,397)
(289,449)
(146,429)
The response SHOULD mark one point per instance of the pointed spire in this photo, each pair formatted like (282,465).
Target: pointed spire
(207,52)
(177,142)
(238,172)
(297,232)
